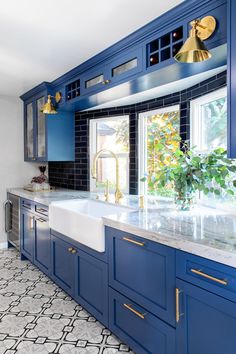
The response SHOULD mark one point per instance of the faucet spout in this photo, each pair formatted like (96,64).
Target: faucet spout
(118,193)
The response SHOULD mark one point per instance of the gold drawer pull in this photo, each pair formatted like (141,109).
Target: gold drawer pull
(199,272)
(133,241)
(142,316)
(177,315)
(70,249)
(41,220)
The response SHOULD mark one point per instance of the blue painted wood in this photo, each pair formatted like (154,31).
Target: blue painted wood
(145,336)
(91,289)
(185,262)
(63,265)
(207,323)
(146,274)
(231,72)
(103,256)
(27,234)
(42,245)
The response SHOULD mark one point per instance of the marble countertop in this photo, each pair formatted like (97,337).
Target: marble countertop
(204,231)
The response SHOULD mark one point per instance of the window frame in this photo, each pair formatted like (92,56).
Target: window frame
(93,147)
(195,111)
(142,136)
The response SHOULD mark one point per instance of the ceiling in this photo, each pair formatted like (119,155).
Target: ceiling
(41,40)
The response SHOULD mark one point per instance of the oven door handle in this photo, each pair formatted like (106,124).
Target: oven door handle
(7,218)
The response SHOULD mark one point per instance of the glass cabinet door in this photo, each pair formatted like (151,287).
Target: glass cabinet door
(29,131)
(41,126)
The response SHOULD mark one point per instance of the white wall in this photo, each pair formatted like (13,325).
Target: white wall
(14,172)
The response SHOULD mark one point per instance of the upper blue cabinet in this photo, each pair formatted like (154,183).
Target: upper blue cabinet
(46,137)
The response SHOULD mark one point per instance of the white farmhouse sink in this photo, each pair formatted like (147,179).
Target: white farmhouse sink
(82,221)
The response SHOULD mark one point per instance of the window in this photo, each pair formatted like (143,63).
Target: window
(209,121)
(157,127)
(111,134)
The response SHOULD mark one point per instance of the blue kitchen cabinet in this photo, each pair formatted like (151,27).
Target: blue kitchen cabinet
(207,322)
(144,271)
(27,234)
(137,327)
(46,137)
(91,285)
(42,245)
(63,264)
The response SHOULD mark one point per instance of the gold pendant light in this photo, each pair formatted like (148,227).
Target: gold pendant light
(194,49)
(49,108)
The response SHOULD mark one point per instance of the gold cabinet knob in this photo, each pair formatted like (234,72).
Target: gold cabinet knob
(73,251)
(70,249)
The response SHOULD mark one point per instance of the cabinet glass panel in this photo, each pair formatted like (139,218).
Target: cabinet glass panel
(94,81)
(125,67)
(29,130)
(41,136)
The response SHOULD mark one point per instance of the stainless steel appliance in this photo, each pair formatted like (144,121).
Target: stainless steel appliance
(12,220)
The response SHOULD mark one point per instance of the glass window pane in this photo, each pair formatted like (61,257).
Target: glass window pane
(41,136)
(29,131)
(94,81)
(111,134)
(213,123)
(125,67)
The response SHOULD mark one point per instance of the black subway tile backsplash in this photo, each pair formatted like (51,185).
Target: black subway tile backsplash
(75,175)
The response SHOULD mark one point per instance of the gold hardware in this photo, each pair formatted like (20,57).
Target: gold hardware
(41,220)
(133,241)
(73,251)
(177,315)
(105,82)
(42,210)
(58,96)
(141,202)
(106,193)
(70,249)
(31,222)
(118,193)
(127,306)
(33,158)
(49,108)
(199,272)
(194,49)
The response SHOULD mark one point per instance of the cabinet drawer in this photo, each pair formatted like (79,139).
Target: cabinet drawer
(41,209)
(207,274)
(27,204)
(138,328)
(144,271)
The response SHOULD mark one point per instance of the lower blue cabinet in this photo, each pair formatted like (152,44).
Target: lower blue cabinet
(138,328)
(42,245)
(92,285)
(82,276)
(63,264)
(27,235)
(207,323)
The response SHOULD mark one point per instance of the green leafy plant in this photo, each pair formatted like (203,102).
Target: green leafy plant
(189,172)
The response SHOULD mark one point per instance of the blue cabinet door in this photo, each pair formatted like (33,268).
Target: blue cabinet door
(63,263)
(138,328)
(27,234)
(92,285)
(143,271)
(207,322)
(42,245)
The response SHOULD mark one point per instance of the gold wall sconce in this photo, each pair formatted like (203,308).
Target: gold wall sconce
(49,107)
(194,49)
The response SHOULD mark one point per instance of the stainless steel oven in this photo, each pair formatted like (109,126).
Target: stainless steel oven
(12,220)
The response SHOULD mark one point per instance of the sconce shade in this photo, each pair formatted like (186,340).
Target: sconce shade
(49,108)
(193,51)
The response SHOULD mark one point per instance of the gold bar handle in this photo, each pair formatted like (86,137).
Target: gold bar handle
(140,315)
(207,276)
(31,222)
(133,241)
(177,313)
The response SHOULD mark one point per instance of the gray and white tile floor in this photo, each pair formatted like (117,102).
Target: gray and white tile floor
(36,316)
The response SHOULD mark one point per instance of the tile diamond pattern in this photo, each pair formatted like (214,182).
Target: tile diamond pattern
(37,317)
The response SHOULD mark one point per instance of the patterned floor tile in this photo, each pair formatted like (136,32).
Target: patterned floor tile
(37,317)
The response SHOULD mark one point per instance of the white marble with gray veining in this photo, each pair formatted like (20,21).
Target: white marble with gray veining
(204,231)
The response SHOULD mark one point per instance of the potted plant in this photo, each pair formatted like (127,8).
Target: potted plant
(188,172)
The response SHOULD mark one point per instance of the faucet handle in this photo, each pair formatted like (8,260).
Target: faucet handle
(141,202)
